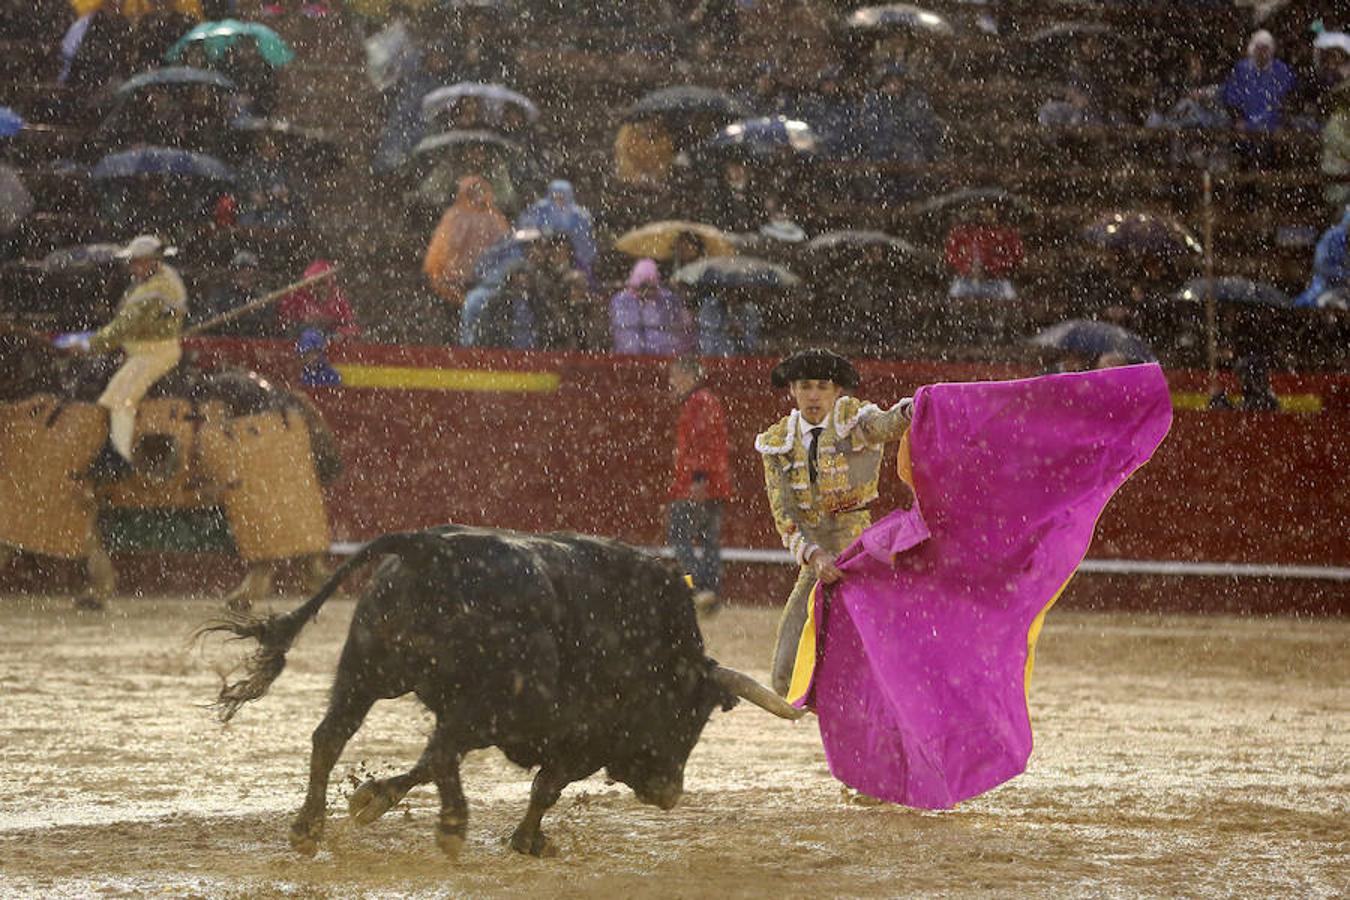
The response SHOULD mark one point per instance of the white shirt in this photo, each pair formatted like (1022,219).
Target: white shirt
(804,429)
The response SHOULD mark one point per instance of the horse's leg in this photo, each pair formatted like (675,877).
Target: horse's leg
(102,575)
(256,587)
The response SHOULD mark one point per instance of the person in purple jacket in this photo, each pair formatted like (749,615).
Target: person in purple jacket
(1258,85)
(648,318)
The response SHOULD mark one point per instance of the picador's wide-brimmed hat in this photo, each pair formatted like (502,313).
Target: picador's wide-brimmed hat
(815,364)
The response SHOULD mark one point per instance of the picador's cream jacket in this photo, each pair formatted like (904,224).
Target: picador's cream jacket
(848,466)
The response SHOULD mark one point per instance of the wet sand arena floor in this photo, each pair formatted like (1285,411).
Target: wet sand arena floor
(1175,756)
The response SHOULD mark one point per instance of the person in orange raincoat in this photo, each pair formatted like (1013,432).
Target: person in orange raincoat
(469,227)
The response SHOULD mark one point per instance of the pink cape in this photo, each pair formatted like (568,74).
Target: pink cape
(923,652)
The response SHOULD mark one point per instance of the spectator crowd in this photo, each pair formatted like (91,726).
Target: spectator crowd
(741,195)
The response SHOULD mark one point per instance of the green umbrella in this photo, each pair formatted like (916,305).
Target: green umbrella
(220,36)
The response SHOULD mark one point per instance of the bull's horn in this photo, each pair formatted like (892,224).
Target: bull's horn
(747,688)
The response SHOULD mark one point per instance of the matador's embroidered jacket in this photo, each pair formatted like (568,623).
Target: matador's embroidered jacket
(848,467)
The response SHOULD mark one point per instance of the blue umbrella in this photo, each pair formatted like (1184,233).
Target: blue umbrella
(735,271)
(769,136)
(1086,337)
(11,123)
(1233,289)
(150,161)
(175,75)
(82,256)
(443,99)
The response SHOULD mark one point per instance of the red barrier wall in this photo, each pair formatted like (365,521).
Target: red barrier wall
(593,454)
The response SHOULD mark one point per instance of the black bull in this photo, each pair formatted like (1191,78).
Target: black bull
(569,653)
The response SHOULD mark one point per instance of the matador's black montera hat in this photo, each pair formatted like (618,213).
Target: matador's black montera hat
(815,363)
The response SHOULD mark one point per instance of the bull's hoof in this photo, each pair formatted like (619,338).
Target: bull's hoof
(450,838)
(90,603)
(535,844)
(305,837)
(371,800)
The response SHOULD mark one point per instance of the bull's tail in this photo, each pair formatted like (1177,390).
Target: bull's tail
(275,633)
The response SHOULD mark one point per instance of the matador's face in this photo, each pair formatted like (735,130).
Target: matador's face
(815,397)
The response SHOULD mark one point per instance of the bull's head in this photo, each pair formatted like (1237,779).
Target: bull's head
(655,770)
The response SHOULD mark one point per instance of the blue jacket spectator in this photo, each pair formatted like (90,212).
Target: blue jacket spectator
(558,213)
(1331,264)
(1258,85)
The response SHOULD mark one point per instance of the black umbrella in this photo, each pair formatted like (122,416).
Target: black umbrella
(852,241)
(687,101)
(961,204)
(460,139)
(771,138)
(900,18)
(1144,233)
(1233,289)
(313,148)
(735,271)
(185,76)
(1085,337)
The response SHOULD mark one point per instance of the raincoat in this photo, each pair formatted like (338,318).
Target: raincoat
(322,305)
(468,228)
(918,662)
(559,213)
(1331,264)
(643,153)
(658,324)
(1257,95)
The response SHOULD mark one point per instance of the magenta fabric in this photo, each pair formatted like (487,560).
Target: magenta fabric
(921,657)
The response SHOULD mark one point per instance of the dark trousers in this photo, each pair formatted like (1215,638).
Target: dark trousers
(694,530)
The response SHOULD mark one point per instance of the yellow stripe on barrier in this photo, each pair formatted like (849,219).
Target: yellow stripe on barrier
(1290,403)
(408,378)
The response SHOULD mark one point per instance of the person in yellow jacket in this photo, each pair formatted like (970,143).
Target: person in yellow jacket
(822,463)
(146,328)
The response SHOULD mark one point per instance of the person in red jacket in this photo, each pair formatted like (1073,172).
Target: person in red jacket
(983,255)
(700,483)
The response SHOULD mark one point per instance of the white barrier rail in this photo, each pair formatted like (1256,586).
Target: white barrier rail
(1100,566)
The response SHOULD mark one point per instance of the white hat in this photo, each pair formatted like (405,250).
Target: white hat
(1261,37)
(1333,40)
(145,246)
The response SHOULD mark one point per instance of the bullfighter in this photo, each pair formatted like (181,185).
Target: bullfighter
(822,463)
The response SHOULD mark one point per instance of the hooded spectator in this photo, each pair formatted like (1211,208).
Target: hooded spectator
(1331,266)
(648,318)
(468,228)
(559,213)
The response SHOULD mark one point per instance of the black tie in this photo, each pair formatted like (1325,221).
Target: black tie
(811,452)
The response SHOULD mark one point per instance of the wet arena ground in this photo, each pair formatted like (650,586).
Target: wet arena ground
(1175,756)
